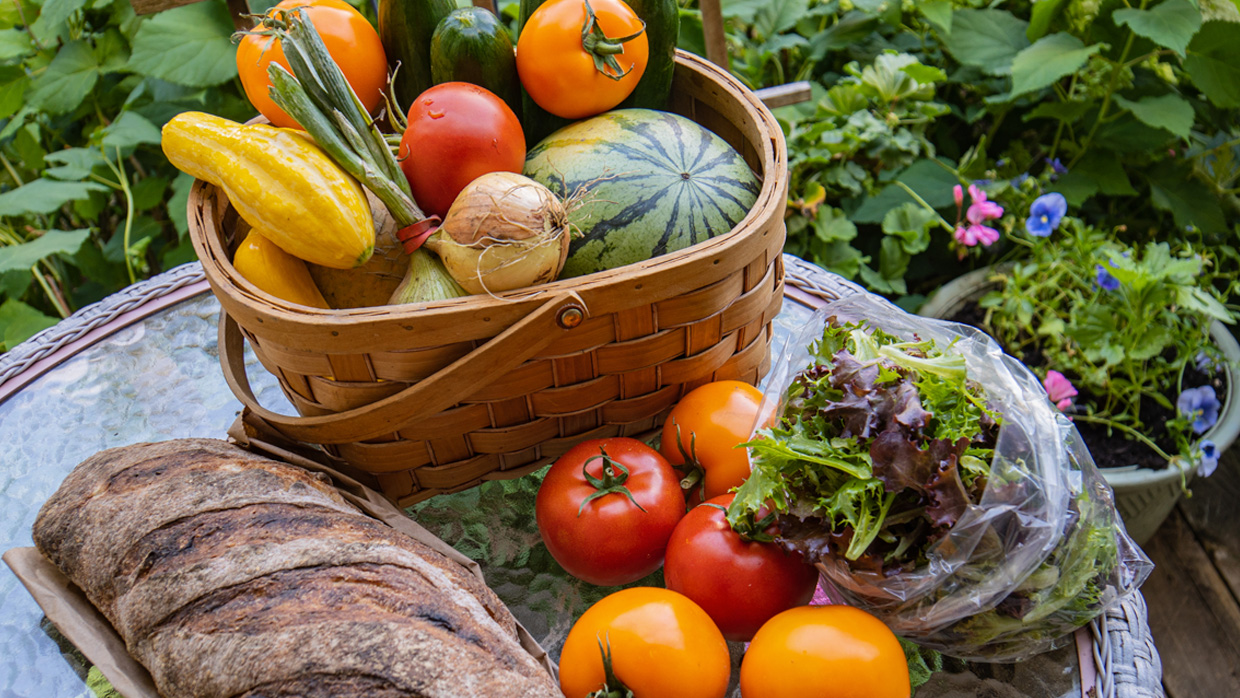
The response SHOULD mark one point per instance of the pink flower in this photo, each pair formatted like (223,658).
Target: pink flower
(983,211)
(974,234)
(978,195)
(1059,389)
(958,195)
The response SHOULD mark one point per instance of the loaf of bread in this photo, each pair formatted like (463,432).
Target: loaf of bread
(233,576)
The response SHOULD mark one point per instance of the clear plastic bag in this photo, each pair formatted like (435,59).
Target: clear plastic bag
(1039,556)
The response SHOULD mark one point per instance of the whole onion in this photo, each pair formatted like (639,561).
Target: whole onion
(504,231)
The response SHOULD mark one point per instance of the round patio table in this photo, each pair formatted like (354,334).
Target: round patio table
(142,365)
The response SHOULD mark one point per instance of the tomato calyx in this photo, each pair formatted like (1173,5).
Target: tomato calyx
(602,48)
(749,530)
(694,470)
(612,687)
(612,481)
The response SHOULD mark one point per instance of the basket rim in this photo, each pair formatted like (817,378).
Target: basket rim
(506,307)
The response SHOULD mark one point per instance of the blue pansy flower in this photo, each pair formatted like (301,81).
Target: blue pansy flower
(1056,166)
(1208,458)
(1205,363)
(1105,280)
(1045,213)
(1200,405)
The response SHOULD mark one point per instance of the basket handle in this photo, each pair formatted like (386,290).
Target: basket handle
(451,384)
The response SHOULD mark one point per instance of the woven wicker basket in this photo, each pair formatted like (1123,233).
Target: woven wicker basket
(438,397)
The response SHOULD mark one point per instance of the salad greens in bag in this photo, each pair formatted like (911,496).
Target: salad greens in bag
(932,482)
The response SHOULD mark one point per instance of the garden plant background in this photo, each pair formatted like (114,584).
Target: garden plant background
(1130,110)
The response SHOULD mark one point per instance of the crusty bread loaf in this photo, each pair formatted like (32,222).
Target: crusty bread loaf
(230,575)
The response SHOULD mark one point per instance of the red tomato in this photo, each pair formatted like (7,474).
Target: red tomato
(740,583)
(352,42)
(660,643)
(457,132)
(608,540)
(824,652)
(712,420)
(559,72)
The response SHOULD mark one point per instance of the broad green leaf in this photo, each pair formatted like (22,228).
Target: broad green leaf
(1169,111)
(910,224)
(178,203)
(987,39)
(1127,134)
(12,91)
(924,74)
(1195,298)
(938,13)
(53,242)
(73,163)
(188,45)
(54,14)
(44,196)
(932,182)
(67,81)
(1076,187)
(1061,111)
(1171,23)
(831,225)
(21,322)
(1048,60)
(838,257)
(148,192)
(1213,62)
(892,260)
(779,15)
(1044,12)
(1176,191)
(129,130)
(14,43)
(691,38)
(1151,343)
(744,10)
(1107,170)
(851,29)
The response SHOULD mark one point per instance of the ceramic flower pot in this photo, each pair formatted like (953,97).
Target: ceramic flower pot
(1144,497)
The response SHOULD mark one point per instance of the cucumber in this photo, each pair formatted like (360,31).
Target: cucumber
(662,18)
(406,28)
(472,45)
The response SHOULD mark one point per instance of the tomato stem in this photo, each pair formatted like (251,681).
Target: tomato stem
(612,481)
(612,687)
(602,48)
(695,472)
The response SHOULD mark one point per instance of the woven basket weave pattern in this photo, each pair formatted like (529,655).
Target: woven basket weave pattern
(649,333)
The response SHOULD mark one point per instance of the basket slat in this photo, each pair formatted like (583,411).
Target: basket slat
(512,388)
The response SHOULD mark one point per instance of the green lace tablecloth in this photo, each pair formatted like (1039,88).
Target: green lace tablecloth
(160,379)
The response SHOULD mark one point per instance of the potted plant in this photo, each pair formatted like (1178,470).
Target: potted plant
(1130,340)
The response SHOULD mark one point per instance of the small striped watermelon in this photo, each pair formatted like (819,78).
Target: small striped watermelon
(656,183)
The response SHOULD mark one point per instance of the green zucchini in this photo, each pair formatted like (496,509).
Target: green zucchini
(472,45)
(406,27)
(538,122)
(662,18)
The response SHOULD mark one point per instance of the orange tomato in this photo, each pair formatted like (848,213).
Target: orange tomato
(824,652)
(713,419)
(662,645)
(560,74)
(352,42)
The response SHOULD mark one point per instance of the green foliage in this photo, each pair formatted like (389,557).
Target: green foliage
(88,202)
(1137,101)
(1120,346)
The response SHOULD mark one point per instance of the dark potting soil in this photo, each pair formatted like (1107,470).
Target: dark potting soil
(1114,450)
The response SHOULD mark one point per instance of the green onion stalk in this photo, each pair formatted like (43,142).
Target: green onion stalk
(317,95)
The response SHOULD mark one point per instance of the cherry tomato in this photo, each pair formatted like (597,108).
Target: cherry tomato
(824,652)
(559,71)
(351,40)
(457,132)
(620,535)
(712,420)
(661,645)
(740,583)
